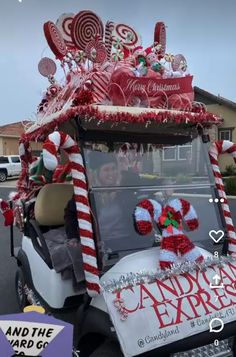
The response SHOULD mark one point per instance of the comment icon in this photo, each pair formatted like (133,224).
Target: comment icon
(216,325)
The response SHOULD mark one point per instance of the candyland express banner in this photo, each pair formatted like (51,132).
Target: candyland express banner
(166,311)
(137,85)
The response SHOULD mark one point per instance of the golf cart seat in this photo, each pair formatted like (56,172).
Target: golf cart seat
(50,203)
(49,213)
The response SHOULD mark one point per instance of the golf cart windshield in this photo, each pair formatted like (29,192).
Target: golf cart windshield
(122,174)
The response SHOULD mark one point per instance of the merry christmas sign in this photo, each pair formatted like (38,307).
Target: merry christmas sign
(162,312)
(34,334)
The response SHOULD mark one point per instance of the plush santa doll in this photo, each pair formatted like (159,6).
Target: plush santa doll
(152,60)
(139,56)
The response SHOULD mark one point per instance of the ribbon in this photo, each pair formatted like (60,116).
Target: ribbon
(169,220)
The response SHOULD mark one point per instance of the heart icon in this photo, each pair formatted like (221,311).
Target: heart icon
(216,235)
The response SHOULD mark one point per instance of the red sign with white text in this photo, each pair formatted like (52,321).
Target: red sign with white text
(125,88)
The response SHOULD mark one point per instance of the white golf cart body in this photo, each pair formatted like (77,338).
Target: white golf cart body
(159,321)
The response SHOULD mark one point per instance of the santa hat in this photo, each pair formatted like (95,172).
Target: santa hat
(149,50)
(138,51)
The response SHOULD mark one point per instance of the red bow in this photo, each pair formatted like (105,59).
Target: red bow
(169,219)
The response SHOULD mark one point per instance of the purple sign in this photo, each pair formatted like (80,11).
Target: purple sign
(33,334)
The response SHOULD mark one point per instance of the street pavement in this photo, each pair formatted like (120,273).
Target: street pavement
(8,266)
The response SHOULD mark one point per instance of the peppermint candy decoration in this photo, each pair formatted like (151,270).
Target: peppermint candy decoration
(118,55)
(47,67)
(127,35)
(55,40)
(160,37)
(179,63)
(85,26)
(96,51)
(80,57)
(64,23)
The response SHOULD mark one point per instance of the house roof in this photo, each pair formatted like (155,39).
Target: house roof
(212,98)
(14,129)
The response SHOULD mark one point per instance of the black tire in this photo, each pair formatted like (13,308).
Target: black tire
(3,175)
(107,349)
(20,291)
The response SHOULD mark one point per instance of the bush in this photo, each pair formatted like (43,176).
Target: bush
(230,186)
(230,170)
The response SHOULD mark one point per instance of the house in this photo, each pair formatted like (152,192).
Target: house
(227,110)
(9,138)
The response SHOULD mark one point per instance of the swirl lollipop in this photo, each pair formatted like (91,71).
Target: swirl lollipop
(127,35)
(85,26)
(55,40)
(64,23)
(47,67)
(179,63)
(96,51)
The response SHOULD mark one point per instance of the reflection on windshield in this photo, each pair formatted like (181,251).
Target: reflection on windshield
(129,164)
(122,174)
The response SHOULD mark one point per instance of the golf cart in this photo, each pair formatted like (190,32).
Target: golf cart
(124,251)
(148,201)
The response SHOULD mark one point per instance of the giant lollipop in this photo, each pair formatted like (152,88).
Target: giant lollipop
(64,23)
(55,40)
(179,63)
(160,38)
(47,67)
(86,25)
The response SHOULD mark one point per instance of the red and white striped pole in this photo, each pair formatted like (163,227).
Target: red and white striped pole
(61,140)
(217,148)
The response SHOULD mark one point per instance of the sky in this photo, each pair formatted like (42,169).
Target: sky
(204,31)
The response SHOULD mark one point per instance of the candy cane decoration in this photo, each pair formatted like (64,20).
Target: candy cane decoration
(169,218)
(108,37)
(145,212)
(55,141)
(216,149)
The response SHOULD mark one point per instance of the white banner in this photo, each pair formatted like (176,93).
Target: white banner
(167,311)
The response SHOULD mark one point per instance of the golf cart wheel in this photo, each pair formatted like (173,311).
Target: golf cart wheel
(3,175)
(107,349)
(20,289)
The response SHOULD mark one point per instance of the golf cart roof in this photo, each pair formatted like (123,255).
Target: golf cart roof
(125,119)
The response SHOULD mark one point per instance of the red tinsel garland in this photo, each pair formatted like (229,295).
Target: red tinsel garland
(205,119)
